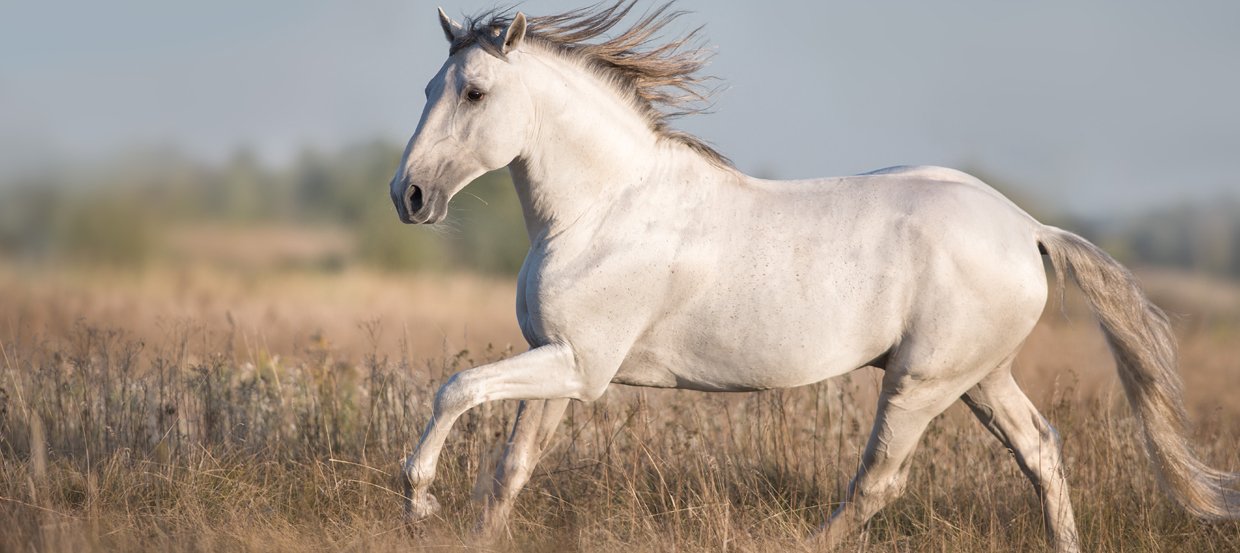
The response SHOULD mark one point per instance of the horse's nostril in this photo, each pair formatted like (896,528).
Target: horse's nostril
(413,199)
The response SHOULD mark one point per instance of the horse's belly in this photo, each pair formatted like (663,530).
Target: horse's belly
(758,357)
(774,318)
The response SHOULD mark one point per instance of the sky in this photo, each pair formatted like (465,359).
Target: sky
(1090,107)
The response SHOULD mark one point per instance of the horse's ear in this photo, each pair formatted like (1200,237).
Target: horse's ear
(514,34)
(451,29)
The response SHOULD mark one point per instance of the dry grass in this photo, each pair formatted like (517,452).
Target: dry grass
(188,410)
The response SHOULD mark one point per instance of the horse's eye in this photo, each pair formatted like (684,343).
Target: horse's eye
(475,95)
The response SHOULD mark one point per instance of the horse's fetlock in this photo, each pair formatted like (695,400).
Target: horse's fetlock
(418,477)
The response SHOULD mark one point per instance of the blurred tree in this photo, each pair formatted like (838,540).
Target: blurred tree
(26,211)
(111,232)
(1203,237)
(119,212)
(489,232)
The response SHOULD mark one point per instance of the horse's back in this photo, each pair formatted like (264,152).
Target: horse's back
(829,275)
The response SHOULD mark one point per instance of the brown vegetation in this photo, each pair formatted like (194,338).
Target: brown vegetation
(200,409)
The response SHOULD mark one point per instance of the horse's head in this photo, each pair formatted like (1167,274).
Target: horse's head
(476,119)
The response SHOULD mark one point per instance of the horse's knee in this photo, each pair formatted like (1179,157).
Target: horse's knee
(884,491)
(870,495)
(514,472)
(456,395)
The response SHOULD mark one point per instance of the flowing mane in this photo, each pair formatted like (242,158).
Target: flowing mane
(660,79)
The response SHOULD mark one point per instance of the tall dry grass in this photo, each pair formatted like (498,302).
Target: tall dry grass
(175,411)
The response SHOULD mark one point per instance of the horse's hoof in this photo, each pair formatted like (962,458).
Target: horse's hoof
(421,508)
(485,536)
(488,530)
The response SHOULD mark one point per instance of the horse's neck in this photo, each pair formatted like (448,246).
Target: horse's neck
(588,148)
(556,197)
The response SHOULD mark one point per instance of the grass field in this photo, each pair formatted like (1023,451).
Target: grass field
(209,410)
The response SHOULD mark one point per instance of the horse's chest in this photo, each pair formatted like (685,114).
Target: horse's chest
(596,295)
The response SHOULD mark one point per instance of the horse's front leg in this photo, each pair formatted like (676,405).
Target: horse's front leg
(548,372)
(531,434)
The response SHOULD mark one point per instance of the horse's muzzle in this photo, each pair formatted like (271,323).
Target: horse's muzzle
(414,201)
(413,206)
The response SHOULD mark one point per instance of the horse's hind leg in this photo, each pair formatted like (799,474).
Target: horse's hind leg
(1005,410)
(531,434)
(905,407)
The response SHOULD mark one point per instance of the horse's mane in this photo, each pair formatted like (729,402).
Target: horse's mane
(661,79)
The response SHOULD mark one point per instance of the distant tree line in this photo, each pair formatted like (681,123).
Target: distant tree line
(1201,237)
(118,213)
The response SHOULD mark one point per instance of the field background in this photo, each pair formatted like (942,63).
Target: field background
(216,336)
(236,357)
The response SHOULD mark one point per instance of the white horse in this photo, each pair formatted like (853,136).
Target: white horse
(653,262)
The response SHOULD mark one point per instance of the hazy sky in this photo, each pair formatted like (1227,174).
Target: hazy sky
(1093,107)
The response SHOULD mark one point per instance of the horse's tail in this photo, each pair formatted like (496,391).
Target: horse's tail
(1144,347)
